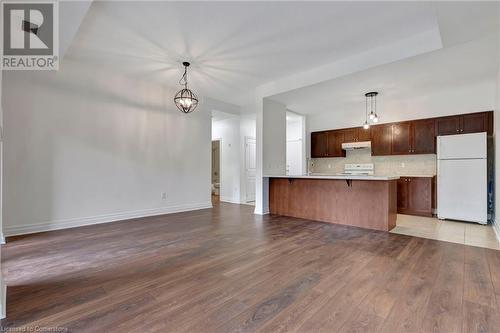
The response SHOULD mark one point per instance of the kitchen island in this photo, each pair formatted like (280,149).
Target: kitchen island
(361,201)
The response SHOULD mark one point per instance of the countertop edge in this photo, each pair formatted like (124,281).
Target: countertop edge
(339,177)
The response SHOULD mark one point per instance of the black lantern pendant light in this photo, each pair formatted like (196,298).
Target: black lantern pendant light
(185,99)
(373,116)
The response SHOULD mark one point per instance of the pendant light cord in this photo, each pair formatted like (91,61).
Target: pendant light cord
(183,81)
(366,108)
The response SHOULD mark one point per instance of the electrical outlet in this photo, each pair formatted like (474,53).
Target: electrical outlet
(329,166)
(402,164)
(164,195)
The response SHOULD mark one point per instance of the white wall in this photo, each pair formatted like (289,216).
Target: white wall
(274,130)
(479,96)
(84,145)
(271,147)
(228,131)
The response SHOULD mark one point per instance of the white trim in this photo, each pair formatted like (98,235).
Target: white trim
(2,238)
(229,200)
(83,221)
(3,301)
(266,212)
(496,228)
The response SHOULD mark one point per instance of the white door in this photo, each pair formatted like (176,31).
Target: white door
(462,190)
(250,165)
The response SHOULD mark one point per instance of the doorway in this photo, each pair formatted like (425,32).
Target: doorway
(215,171)
(250,168)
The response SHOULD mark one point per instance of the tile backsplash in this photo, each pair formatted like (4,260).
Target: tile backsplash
(401,165)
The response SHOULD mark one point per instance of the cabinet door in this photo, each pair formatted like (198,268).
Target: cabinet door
(381,137)
(350,135)
(364,134)
(474,123)
(402,195)
(420,196)
(335,139)
(401,138)
(448,125)
(423,137)
(319,144)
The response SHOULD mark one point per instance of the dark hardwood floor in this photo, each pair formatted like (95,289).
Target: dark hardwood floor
(226,270)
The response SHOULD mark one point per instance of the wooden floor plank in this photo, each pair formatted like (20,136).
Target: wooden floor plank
(226,269)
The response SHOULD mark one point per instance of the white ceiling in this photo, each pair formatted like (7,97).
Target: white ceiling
(455,66)
(236,46)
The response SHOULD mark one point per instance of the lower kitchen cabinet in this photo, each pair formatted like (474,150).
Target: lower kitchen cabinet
(416,195)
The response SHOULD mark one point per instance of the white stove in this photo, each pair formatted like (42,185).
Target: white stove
(359,169)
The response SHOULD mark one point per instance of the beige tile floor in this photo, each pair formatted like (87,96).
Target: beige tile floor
(450,231)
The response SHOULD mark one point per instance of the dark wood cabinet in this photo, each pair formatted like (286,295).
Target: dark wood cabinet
(319,144)
(335,139)
(448,125)
(423,136)
(350,135)
(356,134)
(381,138)
(474,123)
(464,124)
(401,138)
(402,194)
(364,134)
(416,195)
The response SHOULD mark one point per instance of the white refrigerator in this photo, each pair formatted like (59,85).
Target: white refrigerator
(462,192)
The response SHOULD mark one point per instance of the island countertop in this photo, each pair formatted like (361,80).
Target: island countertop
(330,176)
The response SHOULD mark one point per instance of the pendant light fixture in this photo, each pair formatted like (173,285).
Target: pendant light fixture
(185,99)
(373,116)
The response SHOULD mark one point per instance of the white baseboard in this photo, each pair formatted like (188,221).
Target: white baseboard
(3,296)
(259,212)
(496,228)
(229,200)
(79,222)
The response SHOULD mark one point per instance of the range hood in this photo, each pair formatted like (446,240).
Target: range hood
(357,145)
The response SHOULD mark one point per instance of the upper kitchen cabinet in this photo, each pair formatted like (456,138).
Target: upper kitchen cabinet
(327,144)
(364,134)
(350,135)
(356,134)
(477,122)
(448,125)
(401,138)
(466,123)
(335,139)
(381,138)
(413,137)
(319,144)
(423,136)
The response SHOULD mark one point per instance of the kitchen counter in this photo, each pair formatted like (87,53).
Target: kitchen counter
(361,201)
(330,176)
